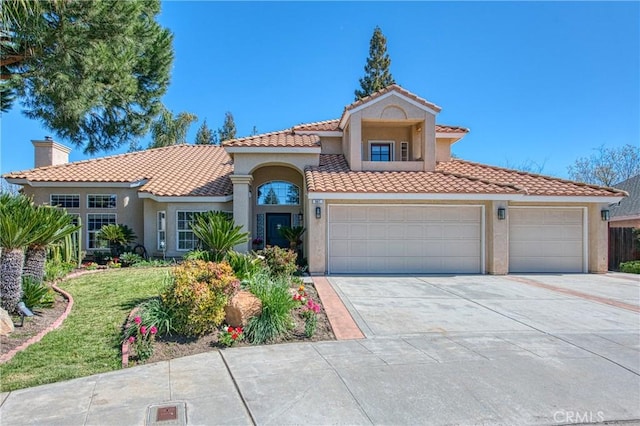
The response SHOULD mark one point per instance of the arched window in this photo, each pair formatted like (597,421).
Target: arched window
(278,193)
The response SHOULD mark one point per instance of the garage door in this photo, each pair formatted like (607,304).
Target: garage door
(546,240)
(404,239)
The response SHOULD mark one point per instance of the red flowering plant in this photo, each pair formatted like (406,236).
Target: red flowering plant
(229,335)
(301,296)
(141,338)
(310,314)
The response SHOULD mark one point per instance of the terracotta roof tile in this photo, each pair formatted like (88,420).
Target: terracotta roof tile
(532,184)
(334,125)
(180,170)
(394,88)
(283,138)
(333,175)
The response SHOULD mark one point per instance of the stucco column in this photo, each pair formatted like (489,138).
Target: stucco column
(497,239)
(316,237)
(598,239)
(429,143)
(242,206)
(355,144)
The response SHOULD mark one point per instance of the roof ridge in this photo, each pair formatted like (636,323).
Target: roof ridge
(538,175)
(260,135)
(485,181)
(95,160)
(316,122)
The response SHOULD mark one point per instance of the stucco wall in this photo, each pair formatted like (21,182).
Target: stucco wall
(246,163)
(385,134)
(331,145)
(629,223)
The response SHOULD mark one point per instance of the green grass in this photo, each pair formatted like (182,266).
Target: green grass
(88,342)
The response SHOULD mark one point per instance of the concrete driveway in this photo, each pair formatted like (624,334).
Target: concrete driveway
(549,349)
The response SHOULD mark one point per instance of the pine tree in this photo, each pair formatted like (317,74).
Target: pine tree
(93,71)
(168,130)
(377,74)
(228,129)
(206,136)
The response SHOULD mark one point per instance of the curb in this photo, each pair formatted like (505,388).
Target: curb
(57,323)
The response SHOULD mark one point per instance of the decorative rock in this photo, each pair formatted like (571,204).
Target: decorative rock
(243,306)
(6,324)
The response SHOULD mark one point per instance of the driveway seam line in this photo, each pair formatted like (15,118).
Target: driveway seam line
(235,384)
(537,329)
(93,394)
(360,407)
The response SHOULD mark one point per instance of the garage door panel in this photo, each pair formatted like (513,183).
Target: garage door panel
(406,239)
(546,240)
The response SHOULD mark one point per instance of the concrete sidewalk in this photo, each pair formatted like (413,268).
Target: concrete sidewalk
(439,350)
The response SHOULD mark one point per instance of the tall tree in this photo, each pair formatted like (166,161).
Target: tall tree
(607,166)
(91,71)
(377,74)
(228,129)
(206,136)
(168,130)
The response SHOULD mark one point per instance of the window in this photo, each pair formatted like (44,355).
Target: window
(278,192)
(162,230)
(381,151)
(187,240)
(95,221)
(65,200)
(101,201)
(404,151)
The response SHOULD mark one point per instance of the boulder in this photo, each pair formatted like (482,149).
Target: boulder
(241,307)
(6,324)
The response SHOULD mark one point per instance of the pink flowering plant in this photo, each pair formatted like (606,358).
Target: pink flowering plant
(310,314)
(140,338)
(229,335)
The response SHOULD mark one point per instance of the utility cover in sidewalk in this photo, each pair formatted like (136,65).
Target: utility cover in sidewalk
(170,413)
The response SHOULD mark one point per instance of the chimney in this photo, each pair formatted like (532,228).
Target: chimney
(50,153)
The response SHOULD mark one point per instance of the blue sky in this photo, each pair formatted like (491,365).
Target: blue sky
(541,82)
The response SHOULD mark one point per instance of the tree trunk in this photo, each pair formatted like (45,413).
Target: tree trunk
(11,264)
(34,261)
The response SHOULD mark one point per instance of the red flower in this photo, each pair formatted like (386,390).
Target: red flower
(137,320)
(238,329)
(230,330)
(143,329)
(234,336)
(153,330)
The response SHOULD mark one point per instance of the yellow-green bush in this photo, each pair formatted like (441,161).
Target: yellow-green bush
(197,295)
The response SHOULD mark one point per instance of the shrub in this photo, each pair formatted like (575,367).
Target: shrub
(154,263)
(36,294)
(228,335)
(197,295)
(277,304)
(55,269)
(129,258)
(218,233)
(245,265)
(155,313)
(632,267)
(281,262)
(198,255)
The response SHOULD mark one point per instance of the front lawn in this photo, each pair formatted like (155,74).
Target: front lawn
(88,342)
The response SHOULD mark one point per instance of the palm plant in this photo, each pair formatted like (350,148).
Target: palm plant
(117,236)
(218,233)
(52,225)
(18,228)
(293,235)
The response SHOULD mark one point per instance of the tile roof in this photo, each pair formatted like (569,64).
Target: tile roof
(180,170)
(532,184)
(283,138)
(333,175)
(334,125)
(393,88)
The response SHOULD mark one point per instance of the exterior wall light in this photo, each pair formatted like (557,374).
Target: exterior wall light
(300,217)
(318,212)
(502,213)
(604,214)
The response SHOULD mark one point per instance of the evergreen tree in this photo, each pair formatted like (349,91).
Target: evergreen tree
(168,130)
(91,71)
(377,74)
(206,136)
(228,129)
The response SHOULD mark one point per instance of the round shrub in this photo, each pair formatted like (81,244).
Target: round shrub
(197,295)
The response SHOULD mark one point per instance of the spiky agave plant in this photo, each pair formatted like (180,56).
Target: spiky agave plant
(218,233)
(18,228)
(52,225)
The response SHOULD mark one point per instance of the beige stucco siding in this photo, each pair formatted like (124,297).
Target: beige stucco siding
(331,145)
(385,134)
(246,163)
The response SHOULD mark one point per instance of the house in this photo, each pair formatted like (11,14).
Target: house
(377,190)
(626,214)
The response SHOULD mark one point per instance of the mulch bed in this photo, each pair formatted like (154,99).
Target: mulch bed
(169,347)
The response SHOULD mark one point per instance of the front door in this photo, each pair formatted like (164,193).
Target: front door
(275,221)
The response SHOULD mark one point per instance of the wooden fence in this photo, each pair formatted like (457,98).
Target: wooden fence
(622,247)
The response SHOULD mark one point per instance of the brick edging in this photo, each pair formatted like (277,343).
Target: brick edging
(343,325)
(57,323)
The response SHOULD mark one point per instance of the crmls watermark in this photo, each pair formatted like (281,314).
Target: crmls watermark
(570,416)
